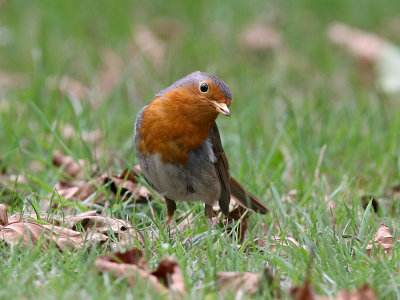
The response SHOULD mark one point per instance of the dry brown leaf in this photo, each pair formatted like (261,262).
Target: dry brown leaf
(241,214)
(10,81)
(152,47)
(109,75)
(364,46)
(80,190)
(245,283)
(18,217)
(169,273)
(383,239)
(130,272)
(68,131)
(93,136)
(167,277)
(237,212)
(69,165)
(305,292)
(29,233)
(128,184)
(36,166)
(169,28)
(11,179)
(133,256)
(363,293)
(23,229)
(123,231)
(69,86)
(118,232)
(291,196)
(239,283)
(125,183)
(260,37)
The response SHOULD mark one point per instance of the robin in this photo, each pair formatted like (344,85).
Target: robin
(179,148)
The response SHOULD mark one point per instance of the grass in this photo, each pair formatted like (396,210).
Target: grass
(287,107)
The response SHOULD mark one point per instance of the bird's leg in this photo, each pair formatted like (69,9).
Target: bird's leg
(171,207)
(208,210)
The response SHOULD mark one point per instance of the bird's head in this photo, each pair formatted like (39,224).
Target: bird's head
(199,94)
(179,118)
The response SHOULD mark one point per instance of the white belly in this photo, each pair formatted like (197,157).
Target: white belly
(197,181)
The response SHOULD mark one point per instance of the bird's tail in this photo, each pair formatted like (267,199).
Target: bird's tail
(246,198)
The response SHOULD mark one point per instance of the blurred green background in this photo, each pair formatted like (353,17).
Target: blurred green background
(306,87)
(91,65)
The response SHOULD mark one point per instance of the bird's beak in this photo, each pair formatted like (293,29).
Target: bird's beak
(222,108)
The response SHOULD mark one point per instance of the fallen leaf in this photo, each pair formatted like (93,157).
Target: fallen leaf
(125,184)
(93,136)
(246,283)
(305,292)
(363,293)
(30,233)
(260,37)
(133,256)
(130,265)
(9,81)
(150,45)
(291,196)
(80,190)
(169,273)
(69,86)
(383,239)
(364,46)
(36,166)
(69,165)
(239,283)
(169,28)
(118,232)
(109,75)
(122,230)
(241,214)
(11,179)
(68,131)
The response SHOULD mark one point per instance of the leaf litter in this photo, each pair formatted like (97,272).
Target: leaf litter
(74,231)
(306,292)
(166,279)
(383,240)
(70,232)
(77,187)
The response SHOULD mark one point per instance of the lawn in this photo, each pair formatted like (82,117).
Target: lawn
(309,127)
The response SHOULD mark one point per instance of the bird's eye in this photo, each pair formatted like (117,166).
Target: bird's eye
(204,87)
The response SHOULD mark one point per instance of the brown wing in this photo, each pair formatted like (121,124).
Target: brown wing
(229,185)
(222,168)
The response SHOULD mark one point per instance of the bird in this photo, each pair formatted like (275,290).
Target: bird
(179,149)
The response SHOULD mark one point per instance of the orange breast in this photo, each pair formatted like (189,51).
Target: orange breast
(172,129)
